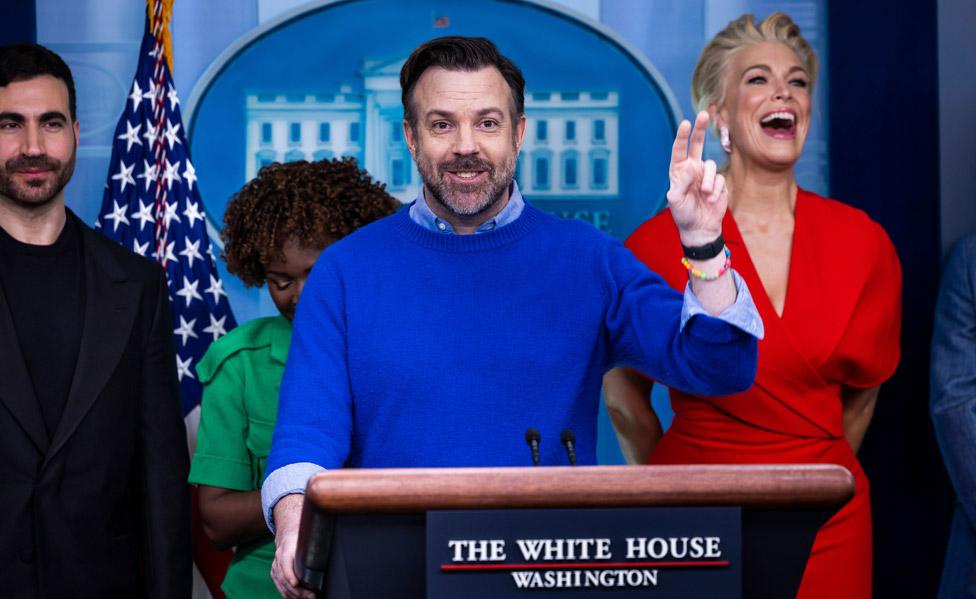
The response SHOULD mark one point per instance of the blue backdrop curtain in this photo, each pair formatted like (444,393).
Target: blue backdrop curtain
(19,22)
(884,159)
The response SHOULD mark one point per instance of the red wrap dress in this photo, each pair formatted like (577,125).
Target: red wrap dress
(840,327)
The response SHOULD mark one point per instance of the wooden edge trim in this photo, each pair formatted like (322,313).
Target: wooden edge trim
(421,489)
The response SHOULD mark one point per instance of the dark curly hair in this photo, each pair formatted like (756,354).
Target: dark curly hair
(316,203)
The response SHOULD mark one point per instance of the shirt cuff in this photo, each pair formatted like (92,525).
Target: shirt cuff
(742,314)
(286,480)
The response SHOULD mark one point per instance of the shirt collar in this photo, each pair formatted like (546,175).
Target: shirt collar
(421,213)
(280,333)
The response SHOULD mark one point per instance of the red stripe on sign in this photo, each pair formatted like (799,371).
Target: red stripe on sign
(583,566)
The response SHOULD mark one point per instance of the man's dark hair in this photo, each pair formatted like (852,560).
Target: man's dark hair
(456,53)
(19,62)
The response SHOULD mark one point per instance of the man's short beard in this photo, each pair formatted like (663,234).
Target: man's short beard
(490,193)
(30,195)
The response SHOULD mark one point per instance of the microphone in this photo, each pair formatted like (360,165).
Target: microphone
(568,439)
(532,438)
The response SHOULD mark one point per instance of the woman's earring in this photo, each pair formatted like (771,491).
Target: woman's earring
(723,138)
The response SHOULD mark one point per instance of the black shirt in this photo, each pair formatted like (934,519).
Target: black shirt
(44,287)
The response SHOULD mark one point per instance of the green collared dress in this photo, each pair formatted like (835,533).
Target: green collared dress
(241,374)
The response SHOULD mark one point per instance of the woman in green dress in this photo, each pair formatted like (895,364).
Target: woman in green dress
(274,229)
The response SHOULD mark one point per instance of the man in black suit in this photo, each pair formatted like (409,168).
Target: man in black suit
(93,457)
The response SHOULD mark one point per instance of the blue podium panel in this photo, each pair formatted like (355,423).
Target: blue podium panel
(667,553)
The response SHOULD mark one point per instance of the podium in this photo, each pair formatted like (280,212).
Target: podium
(363,532)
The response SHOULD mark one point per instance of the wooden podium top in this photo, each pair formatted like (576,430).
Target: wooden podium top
(414,490)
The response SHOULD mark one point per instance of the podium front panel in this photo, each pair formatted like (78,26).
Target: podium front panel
(672,553)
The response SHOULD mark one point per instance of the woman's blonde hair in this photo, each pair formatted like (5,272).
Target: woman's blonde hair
(708,80)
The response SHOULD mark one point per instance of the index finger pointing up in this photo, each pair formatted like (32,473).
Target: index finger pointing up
(697,142)
(679,150)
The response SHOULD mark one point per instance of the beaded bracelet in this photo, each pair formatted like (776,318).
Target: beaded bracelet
(694,272)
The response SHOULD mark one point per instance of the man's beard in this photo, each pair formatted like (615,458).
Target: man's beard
(462,199)
(39,192)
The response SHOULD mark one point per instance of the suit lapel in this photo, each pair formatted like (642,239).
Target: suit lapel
(16,388)
(110,306)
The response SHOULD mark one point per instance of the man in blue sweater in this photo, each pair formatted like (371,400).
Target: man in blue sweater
(437,336)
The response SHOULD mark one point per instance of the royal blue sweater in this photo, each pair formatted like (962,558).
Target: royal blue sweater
(413,348)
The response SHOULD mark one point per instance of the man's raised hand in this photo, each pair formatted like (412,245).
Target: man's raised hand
(698,196)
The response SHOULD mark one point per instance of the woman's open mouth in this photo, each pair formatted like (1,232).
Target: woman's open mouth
(780,124)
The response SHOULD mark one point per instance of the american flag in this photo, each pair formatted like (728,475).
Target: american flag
(152,206)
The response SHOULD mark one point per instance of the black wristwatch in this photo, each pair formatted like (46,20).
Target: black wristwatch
(704,252)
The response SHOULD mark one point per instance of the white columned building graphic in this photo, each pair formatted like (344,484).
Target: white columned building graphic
(570,146)
(569,152)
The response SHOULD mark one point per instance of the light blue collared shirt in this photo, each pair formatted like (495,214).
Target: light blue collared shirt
(742,314)
(421,214)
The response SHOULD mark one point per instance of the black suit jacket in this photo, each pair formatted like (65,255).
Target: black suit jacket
(101,508)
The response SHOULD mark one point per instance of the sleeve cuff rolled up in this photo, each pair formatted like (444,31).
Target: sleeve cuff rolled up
(286,480)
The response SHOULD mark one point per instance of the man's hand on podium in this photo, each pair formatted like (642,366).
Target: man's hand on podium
(287,516)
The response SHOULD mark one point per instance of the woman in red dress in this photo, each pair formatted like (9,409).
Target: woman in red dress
(825,279)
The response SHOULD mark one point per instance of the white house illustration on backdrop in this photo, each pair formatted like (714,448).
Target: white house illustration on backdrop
(569,152)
